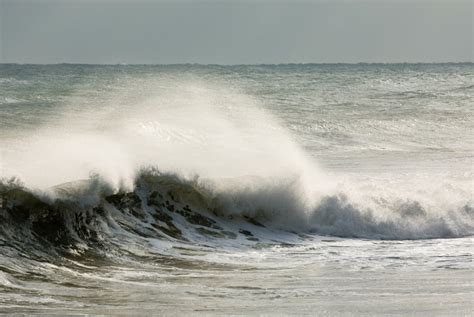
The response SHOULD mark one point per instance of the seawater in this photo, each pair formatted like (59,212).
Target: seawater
(248,189)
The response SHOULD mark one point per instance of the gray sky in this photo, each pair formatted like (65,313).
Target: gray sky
(235,32)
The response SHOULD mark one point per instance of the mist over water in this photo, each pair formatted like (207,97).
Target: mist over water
(147,161)
(185,128)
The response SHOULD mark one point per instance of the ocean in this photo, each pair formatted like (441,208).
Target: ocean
(299,189)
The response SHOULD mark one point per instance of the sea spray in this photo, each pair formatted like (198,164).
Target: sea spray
(213,132)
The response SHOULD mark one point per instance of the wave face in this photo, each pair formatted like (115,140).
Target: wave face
(90,216)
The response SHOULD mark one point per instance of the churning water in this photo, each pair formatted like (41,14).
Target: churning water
(288,189)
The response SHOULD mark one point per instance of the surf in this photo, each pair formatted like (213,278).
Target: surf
(217,150)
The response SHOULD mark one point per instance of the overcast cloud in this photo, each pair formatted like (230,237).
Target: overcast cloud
(235,32)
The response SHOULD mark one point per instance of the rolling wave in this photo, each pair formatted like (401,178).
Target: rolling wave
(89,216)
(255,184)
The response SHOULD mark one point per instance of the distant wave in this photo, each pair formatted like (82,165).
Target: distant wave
(9,100)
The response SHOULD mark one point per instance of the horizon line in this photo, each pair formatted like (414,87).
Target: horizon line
(237,64)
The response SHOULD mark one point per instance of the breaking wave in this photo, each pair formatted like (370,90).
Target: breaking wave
(228,172)
(91,215)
